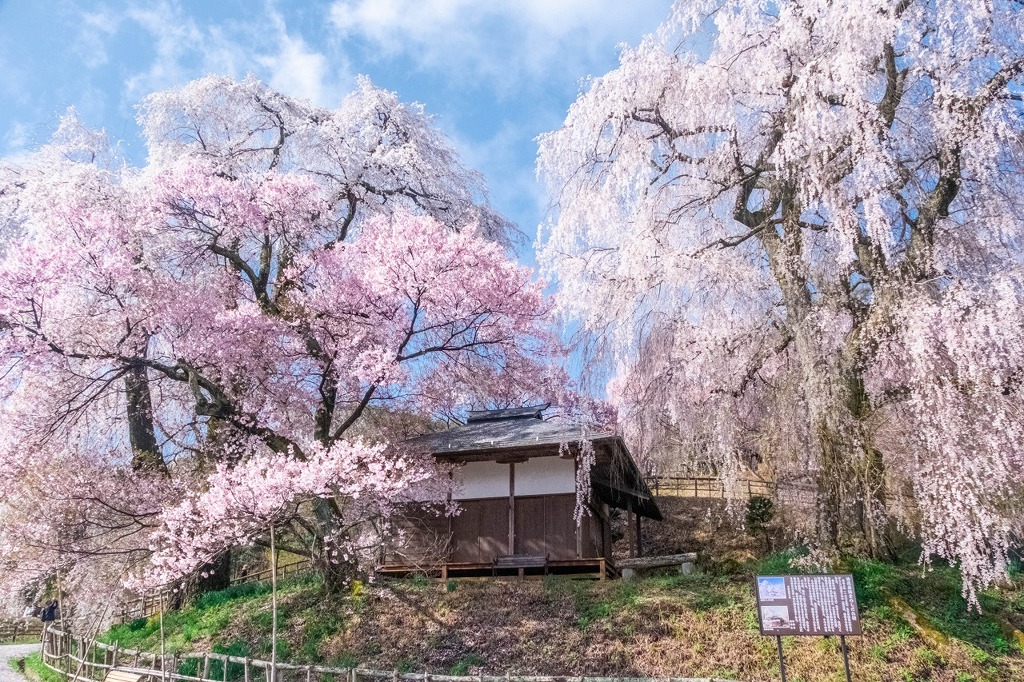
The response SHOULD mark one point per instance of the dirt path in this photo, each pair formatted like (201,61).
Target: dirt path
(8,654)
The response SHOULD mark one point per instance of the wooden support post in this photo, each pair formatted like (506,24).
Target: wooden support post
(206,667)
(639,536)
(245,669)
(631,533)
(511,509)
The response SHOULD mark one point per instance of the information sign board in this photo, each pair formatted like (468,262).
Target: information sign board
(807,605)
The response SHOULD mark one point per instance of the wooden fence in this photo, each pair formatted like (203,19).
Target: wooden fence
(10,632)
(80,660)
(149,604)
(264,575)
(714,488)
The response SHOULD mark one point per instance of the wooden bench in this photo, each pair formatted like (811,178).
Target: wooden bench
(629,568)
(118,675)
(520,562)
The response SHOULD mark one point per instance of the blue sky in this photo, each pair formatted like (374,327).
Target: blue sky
(494,74)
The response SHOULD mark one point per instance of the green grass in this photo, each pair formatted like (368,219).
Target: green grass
(700,592)
(465,664)
(935,594)
(209,616)
(34,663)
(317,629)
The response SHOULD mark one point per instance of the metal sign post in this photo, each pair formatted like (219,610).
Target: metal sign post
(782,659)
(808,605)
(846,656)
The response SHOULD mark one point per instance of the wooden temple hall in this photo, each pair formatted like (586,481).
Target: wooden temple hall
(516,474)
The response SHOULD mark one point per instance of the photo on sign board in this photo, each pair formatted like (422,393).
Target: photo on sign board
(776,618)
(771,589)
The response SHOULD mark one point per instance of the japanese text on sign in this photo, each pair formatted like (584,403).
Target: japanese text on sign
(807,605)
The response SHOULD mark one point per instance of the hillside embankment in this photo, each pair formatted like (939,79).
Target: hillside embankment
(916,624)
(699,625)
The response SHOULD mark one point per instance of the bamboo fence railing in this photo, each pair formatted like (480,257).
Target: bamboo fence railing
(9,632)
(264,575)
(81,660)
(149,604)
(714,488)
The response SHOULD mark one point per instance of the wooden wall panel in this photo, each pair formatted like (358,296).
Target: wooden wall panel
(480,532)
(530,537)
(465,533)
(421,537)
(493,516)
(544,524)
(592,536)
(560,526)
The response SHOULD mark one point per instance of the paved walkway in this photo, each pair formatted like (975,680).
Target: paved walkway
(8,654)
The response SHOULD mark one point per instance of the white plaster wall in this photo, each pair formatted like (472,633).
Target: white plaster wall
(481,479)
(545,476)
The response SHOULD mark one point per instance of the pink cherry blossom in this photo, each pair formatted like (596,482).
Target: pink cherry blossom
(240,331)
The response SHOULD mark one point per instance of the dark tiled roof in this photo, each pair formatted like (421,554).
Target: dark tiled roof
(500,433)
(509,413)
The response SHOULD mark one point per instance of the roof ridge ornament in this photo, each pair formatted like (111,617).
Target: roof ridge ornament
(531,412)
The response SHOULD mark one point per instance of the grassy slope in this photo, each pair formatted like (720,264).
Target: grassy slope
(36,671)
(701,625)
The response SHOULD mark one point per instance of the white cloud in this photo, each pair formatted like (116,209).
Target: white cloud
(171,35)
(95,29)
(17,136)
(506,41)
(15,83)
(297,70)
(184,49)
(511,179)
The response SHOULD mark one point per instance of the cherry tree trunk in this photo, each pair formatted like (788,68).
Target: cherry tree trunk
(141,432)
(217,574)
(327,557)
